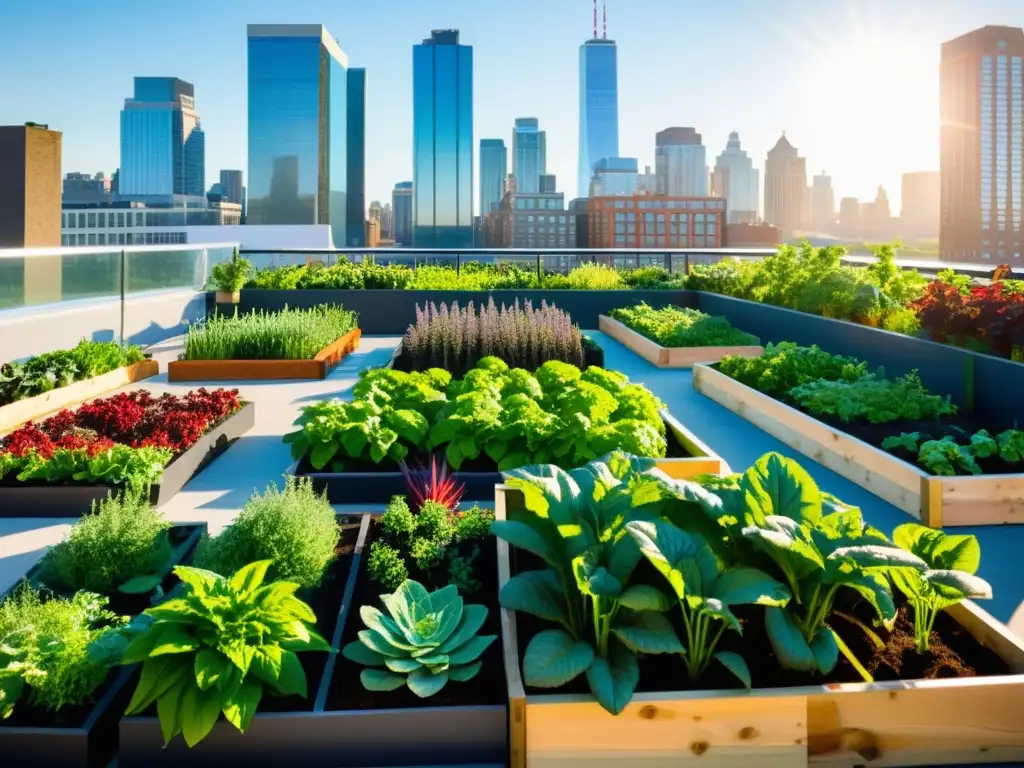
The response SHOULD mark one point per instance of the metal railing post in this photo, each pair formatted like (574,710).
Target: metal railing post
(686,263)
(540,273)
(124,275)
(458,263)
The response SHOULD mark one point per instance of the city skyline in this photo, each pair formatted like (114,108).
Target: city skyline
(800,68)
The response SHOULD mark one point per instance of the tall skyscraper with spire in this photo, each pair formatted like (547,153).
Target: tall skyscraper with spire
(599,103)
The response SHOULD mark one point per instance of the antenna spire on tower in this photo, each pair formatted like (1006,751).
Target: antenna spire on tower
(604,20)
(595,19)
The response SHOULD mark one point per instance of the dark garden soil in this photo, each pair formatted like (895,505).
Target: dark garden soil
(954,652)
(486,688)
(483,463)
(593,354)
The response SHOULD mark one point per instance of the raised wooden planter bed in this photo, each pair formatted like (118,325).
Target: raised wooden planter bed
(378,487)
(934,500)
(593,354)
(243,370)
(669,357)
(34,408)
(43,500)
(903,723)
(93,744)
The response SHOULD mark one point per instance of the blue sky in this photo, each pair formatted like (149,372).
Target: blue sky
(854,83)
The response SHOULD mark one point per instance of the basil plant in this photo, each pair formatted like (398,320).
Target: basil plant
(817,546)
(576,523)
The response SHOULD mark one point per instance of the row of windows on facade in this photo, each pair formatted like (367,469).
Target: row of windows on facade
(660,205)
(124,238)
(522,218)
(681,228)
(674,241)
(169,218)
(650,217)
(539,204)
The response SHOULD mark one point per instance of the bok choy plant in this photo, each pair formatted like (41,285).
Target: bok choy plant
(576,522)
(949,578)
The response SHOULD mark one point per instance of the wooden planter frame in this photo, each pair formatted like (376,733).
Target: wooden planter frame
(935,500)
(247,370)
(17,413)
(669,357)
(903,723)
(377,488)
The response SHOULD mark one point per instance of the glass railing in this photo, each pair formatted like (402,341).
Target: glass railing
(33,277)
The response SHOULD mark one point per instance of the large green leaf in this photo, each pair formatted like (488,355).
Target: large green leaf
(250,577)
(957,585)
(613,679)
(825,650)
(465,672)
(473,617)
(199,713)
(878,556)
(173,638)
(735,664)
(158,676)
(553,658)
(241,704)
(209,665)
(425,683)
(874,587)
(538,593)
(292,679)
(750,586)
(787,641)
(322,454)
(644,597)
(784,541)
(470,651)
(381,680)
(777,485)
(666,548)
(940,550)
(546,488)
(647,632)
(592,578)
(524,536)
(168,709)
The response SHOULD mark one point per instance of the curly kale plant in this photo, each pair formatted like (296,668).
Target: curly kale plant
(949,578)
(577,523)
(786,365)
(872,399)
(218,648)
(426,640)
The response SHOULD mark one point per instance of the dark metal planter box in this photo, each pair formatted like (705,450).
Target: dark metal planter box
(378,487)
(77,500)
(455,736)
(95,742)
(593,354)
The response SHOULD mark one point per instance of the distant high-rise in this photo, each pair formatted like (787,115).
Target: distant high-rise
(981,103)
(30,188)
(401,211)
(548,184)
(737,180)
(298,127)
(599,105)
(356,136)
(919,214)
(823,201)
(163,149)
(529,154)
(442,154)
(615,176)
(785,187)
(680,163)
(85,188)
(386,230)
(232,182)
(493,169)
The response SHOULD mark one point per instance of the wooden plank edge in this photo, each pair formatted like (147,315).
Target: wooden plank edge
(635,342)
(991,503)
(35,408)
(724,389)
(688,357)
(510,644)
(931,501)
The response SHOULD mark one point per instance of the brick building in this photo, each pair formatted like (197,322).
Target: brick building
(655,221)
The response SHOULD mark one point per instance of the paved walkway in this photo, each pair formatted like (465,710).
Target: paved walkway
(259,458)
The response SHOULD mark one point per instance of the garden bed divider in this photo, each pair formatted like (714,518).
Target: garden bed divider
(35,408)
(901,723)
(94,743)
(379,487)
(76,500)
(669,357)
(246,370)
(936,501)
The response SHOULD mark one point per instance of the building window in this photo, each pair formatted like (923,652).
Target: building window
(101,238)
(120,221)
(71,220)
(92,238)
(101,220)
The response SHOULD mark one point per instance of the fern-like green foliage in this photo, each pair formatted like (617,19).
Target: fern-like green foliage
(872,399)
(786,365)
(682,327)
(294,527)
(124,541)
(219,648)
(46,649)
(426,640)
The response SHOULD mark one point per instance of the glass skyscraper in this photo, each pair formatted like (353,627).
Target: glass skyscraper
(356,214)
(401,211)
(442,125)
(599,107)
(298,127)
(493,169)
(163,149)
(529,152)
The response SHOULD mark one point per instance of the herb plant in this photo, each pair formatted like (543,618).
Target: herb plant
(294,528)
(558,414)
(784,366)
(231,276)
(945,456)
(872,399)
(46,649)
(705,590)
(949,578)
(682,327)
(426,640)
(577,523)
(53,370)
(122,545)
(291,334)
(219,648)
(457,338)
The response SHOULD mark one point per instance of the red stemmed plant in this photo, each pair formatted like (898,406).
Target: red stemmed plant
(433,483)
